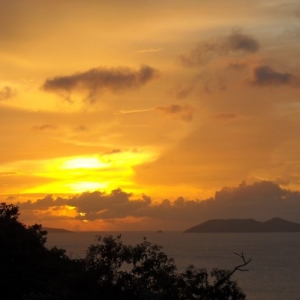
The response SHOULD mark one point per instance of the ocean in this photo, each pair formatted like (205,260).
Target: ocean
(274,272)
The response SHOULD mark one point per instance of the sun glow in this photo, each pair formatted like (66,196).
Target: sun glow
(77,174)
(83,163)
(65,210)
(79,187)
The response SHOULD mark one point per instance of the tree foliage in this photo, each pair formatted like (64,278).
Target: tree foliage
(110,270)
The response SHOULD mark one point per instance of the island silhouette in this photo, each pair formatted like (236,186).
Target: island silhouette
(245,225)
(56,230)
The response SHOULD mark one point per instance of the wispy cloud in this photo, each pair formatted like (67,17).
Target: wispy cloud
(184,112)
(182,92)
(44,127)
(133,111)
(81,128)
(151,50)
(7,92)
(209,49)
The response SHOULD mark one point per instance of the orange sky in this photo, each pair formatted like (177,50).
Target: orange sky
(164,99)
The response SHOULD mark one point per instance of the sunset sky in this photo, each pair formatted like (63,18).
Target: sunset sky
(130,112)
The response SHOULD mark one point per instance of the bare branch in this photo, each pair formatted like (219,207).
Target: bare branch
(237,268)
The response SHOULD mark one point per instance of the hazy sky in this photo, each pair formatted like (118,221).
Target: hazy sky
(144,101)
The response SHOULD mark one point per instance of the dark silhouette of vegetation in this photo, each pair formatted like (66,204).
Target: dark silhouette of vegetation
(110,270)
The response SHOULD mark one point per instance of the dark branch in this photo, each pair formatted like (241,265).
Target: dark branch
(227,277)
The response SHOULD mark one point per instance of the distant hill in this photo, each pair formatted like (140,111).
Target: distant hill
(56,230)
(245,225)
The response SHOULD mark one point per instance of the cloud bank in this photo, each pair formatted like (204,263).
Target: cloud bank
(261,201)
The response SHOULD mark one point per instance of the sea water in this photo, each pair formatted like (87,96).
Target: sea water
(274,271)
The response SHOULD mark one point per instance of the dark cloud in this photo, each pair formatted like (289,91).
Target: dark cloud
(265,75)
(44,127)
(94,205)
(261,200)
(115,205)
(238,41)
(99,79)
(177,111)
(7,93)
(207,50)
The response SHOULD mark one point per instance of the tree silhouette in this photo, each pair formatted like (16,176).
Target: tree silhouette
(26,265)
(110,270)
(144,271)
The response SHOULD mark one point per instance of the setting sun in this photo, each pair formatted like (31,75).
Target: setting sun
(77,174)
(80,187)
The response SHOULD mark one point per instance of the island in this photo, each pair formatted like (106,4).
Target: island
(244,225)
(56,230)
